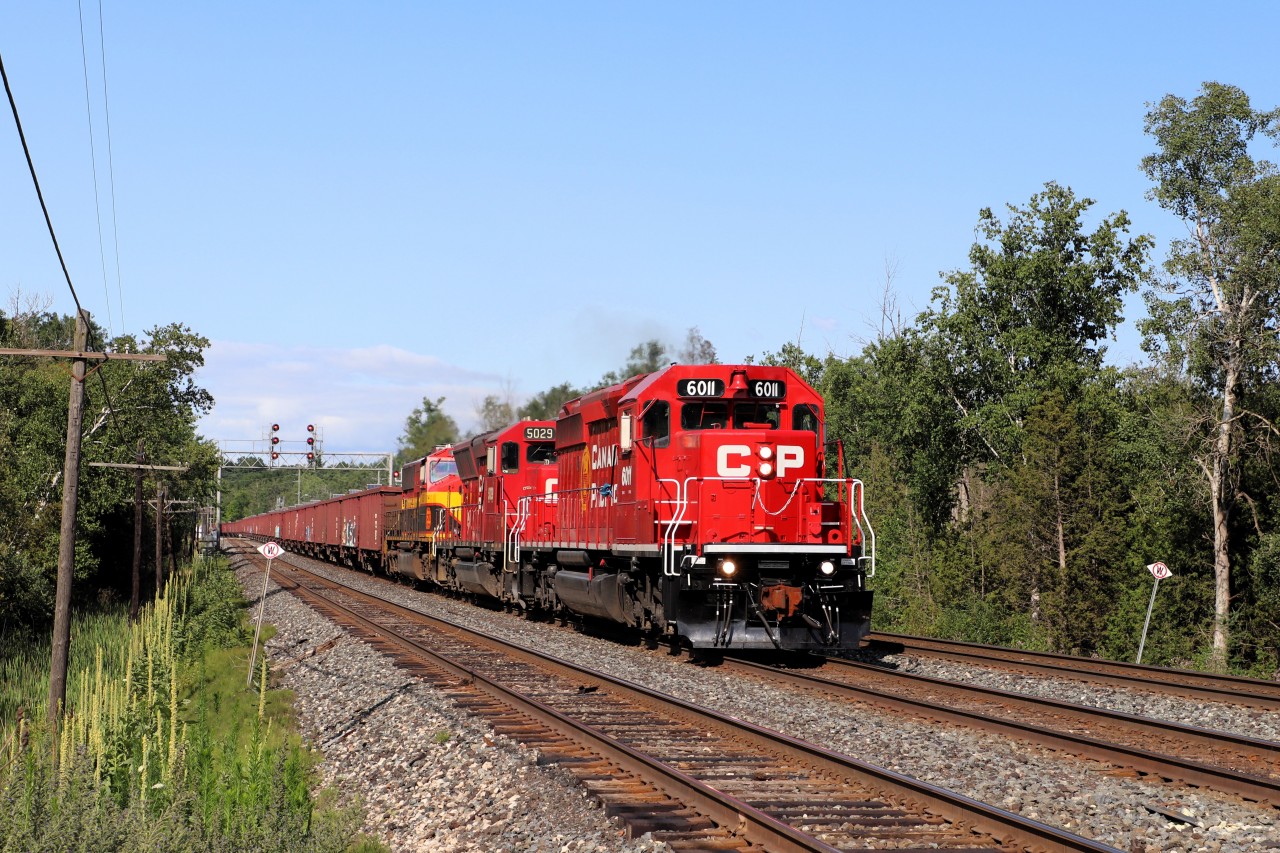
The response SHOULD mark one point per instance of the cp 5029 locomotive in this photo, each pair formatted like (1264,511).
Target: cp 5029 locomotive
(696,503)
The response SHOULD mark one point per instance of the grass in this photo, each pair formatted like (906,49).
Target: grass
(163,745)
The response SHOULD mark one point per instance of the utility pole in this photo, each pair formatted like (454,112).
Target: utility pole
(139,468)
(135,595)
(70,483)
(159,538)
(67,533)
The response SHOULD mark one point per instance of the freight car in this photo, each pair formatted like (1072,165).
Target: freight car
(694,504)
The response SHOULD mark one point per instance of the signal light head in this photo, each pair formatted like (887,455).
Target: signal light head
(311,441)
(275,427)
(311,427)
(275,439)
(275,455)
(310,456)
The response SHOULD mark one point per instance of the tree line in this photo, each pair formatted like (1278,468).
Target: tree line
(126,404)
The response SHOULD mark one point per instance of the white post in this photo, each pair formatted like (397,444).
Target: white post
(253,657)
(1142,644)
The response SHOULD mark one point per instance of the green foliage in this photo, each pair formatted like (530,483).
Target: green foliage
(252,487)
(165,748)
(1213,317)
(1028,317)
(545,405)
(426,428)
(156,402)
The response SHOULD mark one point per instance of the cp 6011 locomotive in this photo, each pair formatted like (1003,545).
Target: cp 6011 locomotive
(695,503)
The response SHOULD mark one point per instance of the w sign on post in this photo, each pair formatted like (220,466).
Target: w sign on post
(1159,571)
(270,550)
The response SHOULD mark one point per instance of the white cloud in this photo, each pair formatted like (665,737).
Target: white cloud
(358,398)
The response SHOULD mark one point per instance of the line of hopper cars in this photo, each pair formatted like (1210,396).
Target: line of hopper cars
(698,503)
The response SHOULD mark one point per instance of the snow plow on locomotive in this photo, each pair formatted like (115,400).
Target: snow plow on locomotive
(694,503)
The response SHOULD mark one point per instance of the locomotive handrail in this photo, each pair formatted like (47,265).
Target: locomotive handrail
(669,567)
(517,527)
(857,514)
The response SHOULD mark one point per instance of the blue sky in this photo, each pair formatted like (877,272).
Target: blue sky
(365,204)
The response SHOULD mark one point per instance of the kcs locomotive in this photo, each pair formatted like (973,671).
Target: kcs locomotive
(696,503)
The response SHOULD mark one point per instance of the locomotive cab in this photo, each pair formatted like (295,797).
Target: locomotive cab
(506,475)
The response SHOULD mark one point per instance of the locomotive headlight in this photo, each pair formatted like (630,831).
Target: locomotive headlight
(728,568)
(766,453)
(827,567)
(766,469)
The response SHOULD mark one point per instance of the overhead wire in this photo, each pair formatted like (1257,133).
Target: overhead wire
(93,161)
(48,221)
(111,165)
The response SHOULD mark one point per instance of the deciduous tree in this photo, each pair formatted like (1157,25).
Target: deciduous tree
(1214,316)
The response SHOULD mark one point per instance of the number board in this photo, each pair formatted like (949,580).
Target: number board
(539,433)
(768,389)
(700,387)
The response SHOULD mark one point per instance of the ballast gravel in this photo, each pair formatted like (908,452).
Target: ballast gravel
(1086,797)
(1250,722)
(431,777)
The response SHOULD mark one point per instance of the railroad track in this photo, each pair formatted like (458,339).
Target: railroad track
(1206,758)
(694,778)
(1230,689)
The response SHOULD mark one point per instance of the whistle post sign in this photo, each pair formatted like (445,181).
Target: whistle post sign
(1159,571)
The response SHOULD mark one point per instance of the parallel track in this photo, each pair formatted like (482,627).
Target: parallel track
(697,779)
(1228,689)
(1219,761)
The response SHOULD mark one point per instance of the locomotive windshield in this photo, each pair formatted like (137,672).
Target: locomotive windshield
(541,453)
(704,415)
(441,468)
(756,415)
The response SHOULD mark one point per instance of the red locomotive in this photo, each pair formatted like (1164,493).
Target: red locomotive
(694,503)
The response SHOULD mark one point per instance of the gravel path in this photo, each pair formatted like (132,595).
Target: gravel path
(432,778)
(1082,796)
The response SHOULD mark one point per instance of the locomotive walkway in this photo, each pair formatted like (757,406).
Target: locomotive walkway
(694,778)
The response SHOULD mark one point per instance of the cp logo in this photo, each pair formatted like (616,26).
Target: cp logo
(732,460)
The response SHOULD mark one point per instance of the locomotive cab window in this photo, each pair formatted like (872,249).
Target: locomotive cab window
(441,468)
(510,457)
(704,415)
(756,416)
(804,417)
(656,424)
(541,453)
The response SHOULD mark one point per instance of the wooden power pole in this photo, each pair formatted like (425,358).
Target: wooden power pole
(138,468)
(70,499)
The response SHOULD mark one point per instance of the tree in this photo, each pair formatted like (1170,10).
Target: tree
(426,428)
(545,405)
(1029,315)
(1214,318)
(494,413)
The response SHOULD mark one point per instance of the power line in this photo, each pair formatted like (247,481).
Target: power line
(39,194)
(48,221)
(93,161)
(111,166)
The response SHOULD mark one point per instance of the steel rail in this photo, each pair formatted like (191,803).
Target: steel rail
(1167,767)
(1230,689)
(958,809)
